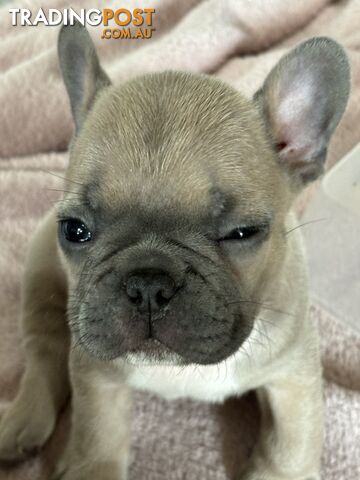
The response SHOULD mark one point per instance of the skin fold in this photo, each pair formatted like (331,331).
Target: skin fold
(184,189)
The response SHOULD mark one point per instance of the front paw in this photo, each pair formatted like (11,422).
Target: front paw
(25,427)
(88,470)
(258,470)
(253,475)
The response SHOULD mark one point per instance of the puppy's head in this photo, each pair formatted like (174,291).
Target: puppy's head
(173,225)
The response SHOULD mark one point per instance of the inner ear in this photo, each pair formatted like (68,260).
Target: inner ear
(302,100)
(83,76)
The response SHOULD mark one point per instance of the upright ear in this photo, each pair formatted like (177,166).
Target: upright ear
(82,73)
(303,99)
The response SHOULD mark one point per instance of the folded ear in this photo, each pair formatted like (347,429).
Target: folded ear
(303,99)
(83,76)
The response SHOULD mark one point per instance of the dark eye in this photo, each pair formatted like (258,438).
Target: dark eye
(75,231)
(242,233)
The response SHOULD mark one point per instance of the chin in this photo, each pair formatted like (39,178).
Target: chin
(152,352)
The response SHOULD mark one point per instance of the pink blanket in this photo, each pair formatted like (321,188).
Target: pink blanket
(238,40)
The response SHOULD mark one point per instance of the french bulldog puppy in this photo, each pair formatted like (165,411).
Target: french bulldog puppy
(173,248)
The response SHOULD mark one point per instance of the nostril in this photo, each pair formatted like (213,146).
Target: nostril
(162,298)
(134,295)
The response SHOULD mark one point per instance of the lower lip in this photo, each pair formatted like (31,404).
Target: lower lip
(150,346)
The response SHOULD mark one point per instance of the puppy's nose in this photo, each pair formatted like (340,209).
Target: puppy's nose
(150,289)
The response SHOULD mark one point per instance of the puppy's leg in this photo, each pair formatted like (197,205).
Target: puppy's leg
(30,419)
(99,442)
(292,430)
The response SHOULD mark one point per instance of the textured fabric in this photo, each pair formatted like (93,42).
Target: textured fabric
(182,440)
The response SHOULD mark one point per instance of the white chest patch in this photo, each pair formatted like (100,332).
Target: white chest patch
(247,369)
(211,383)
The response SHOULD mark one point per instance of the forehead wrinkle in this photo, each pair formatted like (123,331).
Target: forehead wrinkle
(220,202)
(157,195)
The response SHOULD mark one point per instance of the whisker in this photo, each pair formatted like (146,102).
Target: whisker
(262,305)
(62,178)
(62,191)
(306,223)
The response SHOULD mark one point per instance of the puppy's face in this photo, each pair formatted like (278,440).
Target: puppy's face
(182,213)
(173,224)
